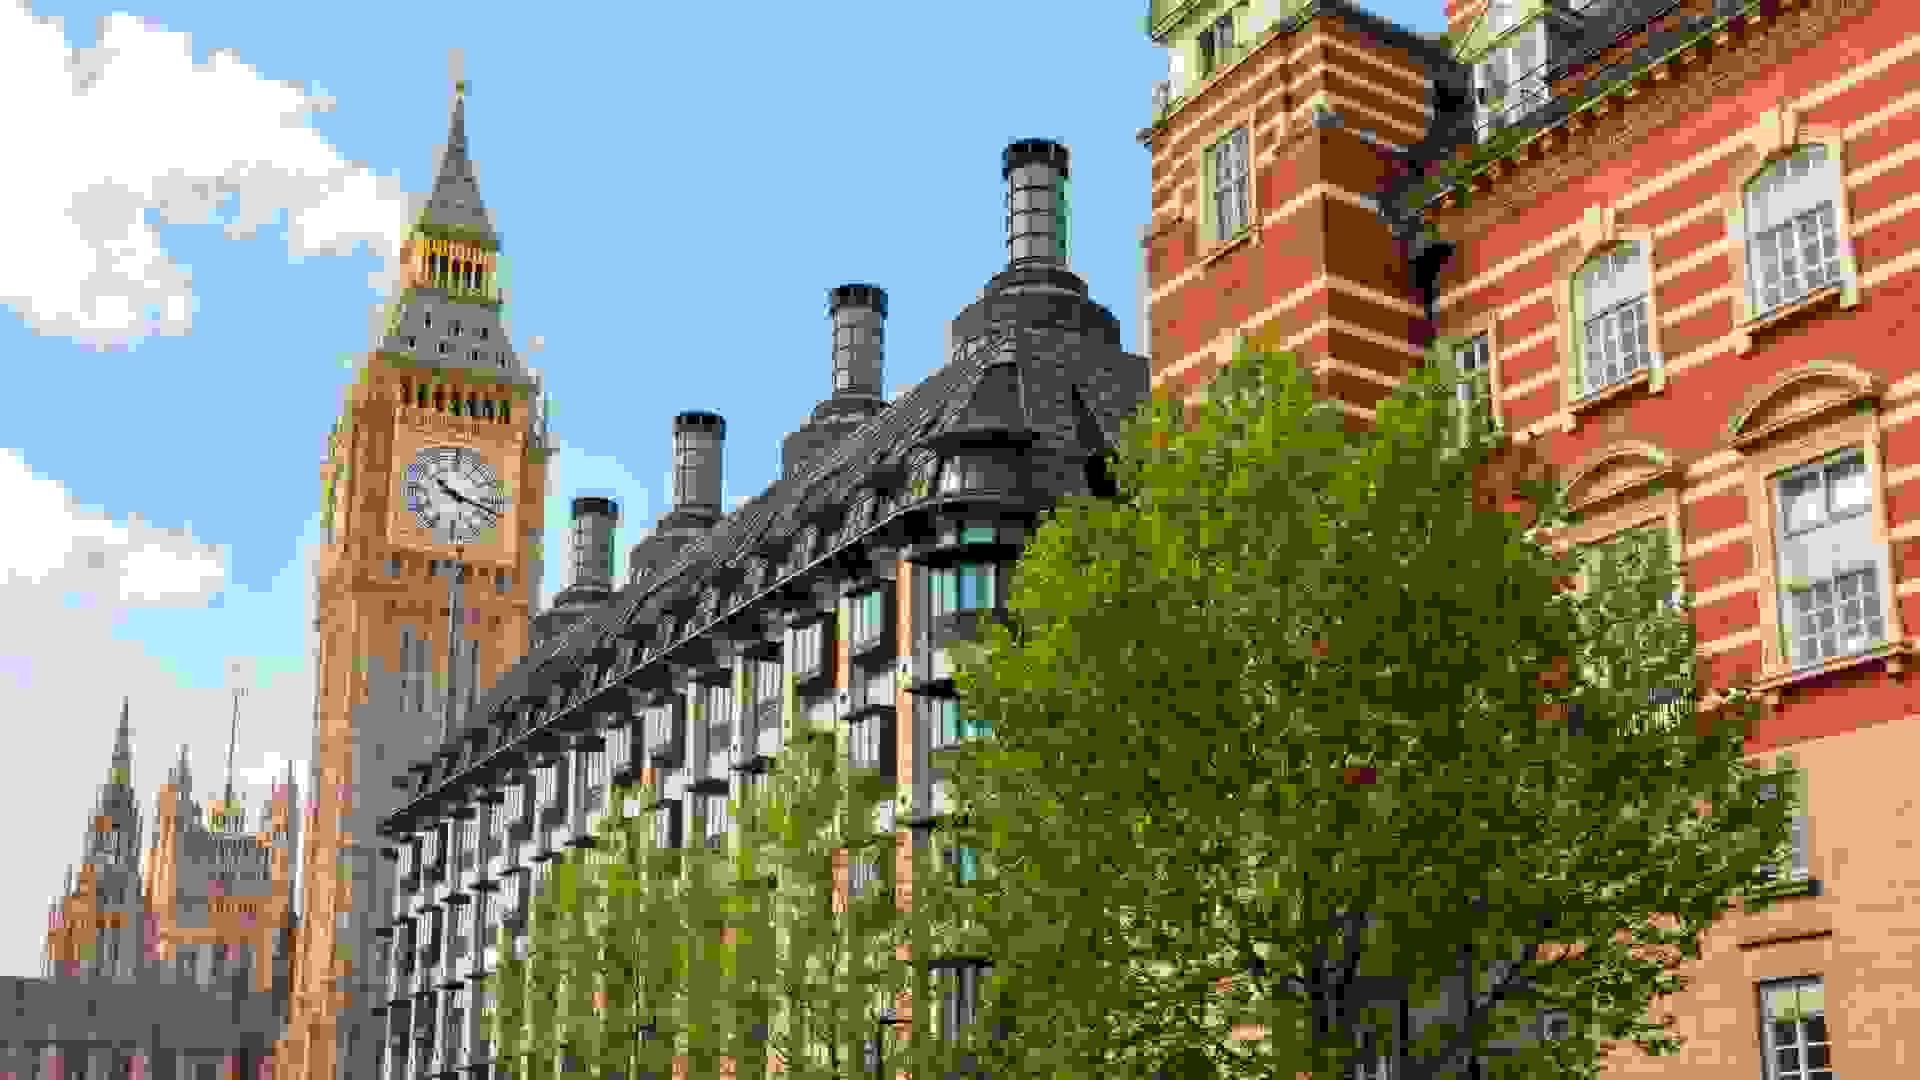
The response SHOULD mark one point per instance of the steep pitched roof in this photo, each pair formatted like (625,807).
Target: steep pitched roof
(1015,380)
(456,191)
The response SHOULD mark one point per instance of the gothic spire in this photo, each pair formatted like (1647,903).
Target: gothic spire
(122,770)
(456,192)
(115,838)
(181,775)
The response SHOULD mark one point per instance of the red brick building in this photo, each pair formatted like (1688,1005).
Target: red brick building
(1677,238)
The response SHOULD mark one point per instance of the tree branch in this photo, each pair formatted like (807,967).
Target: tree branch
(1352,923)
(1479,1010)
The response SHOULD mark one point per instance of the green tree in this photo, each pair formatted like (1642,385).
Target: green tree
(1296,709)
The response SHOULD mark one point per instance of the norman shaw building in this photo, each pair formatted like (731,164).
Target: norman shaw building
(1673,243)
(178,970)
(890,534)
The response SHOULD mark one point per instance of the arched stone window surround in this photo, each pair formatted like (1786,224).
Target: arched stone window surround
(1798,417)
(1619,487)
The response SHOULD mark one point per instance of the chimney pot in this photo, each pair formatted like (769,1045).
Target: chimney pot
(697,441)
(594,519)
(1036,172)
(859,315)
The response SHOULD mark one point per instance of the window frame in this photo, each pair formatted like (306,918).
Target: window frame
(1827,173)
(1212,236)
(1775,132)
(1880,565)
(1444,350)
(1504,42)
(866,627)
(1600,233)
(1769,1062)
(938,605)
(1833,407)
(1635,258)
(1799,868)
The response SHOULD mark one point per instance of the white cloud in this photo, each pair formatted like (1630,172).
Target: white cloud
(79,591)
(50,542)
(272,768)
(131,129)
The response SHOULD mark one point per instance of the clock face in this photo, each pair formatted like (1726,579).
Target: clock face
(454,494)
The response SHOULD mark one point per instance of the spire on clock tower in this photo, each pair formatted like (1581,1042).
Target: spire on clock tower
(456,191)
(448,311)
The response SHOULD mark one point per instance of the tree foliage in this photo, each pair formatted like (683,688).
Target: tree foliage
(637,955)
(1294,710)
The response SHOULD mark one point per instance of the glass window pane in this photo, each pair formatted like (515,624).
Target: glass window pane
(1766,271)
(1800,501)
(1790,266)
(1847,485)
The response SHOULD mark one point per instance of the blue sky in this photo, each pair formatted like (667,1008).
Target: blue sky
(675,197)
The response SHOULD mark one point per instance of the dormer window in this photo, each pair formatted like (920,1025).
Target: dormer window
(1510,81)
(975,472)
(921,470)
(1216,44)
(1500,16)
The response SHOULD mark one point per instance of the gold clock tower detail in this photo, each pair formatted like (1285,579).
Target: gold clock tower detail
(438,462)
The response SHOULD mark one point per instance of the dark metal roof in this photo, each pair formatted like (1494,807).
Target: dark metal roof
(1042,381)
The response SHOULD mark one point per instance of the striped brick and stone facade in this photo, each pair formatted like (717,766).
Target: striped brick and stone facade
(1674,240)
(1730,385)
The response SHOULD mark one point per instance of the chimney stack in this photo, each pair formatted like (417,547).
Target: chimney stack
(594,519)
(859,314)
(1035,171)
(697,438)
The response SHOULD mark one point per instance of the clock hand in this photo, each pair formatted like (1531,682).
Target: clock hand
(448,488)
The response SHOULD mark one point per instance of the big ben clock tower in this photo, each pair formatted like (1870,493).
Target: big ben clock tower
(434,481)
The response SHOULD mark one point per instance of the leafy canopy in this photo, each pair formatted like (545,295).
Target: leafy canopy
(1297,704)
